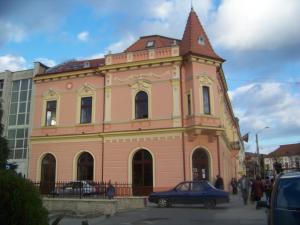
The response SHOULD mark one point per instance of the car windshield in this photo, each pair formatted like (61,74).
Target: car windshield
(288,196)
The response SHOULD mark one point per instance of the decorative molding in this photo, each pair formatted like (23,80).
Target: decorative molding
(129,57)
(176,96)
(86,89)
(143,63)
(151,53)
(108,60)
(143,76)
(50,94)
(108,99)
(64,75)
(204,79)
(175,50)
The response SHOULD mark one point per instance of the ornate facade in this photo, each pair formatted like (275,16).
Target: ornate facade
(152,116)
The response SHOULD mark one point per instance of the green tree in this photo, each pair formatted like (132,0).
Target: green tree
(20,203)
(4,150)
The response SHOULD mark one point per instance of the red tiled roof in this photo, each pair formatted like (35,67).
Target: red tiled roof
(75,65)
(286,150)
(189,44)
(159,42)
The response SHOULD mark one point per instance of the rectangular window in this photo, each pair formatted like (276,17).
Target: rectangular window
(150,44)
(86,110)
(206,100)
(51,113)
(189,104)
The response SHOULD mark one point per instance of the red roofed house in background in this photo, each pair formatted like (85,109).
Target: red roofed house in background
(287,155)
(151,116)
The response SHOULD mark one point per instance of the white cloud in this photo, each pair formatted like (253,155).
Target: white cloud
(169,17)
(272,104)
(268,104)
(11,62)
(47,62)
(257,24)
(164,17)
(10,32)
(122,44)
(116,47)
(83,36)
(23,18)
(95,56)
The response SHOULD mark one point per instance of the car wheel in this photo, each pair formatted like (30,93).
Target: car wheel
(162,203)
(210,204)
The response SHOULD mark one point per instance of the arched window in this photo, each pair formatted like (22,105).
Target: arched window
(141,105)
(85,167)
(48,173)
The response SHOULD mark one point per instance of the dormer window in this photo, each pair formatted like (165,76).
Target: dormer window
(201,40)
(150,44)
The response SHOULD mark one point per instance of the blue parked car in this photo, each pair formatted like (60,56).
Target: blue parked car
(284,207)
(190,192)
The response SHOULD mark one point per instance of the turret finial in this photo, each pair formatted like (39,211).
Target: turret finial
(192,7)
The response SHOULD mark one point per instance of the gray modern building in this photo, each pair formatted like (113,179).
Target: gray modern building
(16,96)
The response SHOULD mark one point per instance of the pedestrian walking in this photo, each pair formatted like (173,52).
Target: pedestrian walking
(110,191)
(244,184)
(267,189)
(234,185)
(258,190)
(219,184)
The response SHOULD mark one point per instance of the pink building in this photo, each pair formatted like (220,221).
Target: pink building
(152,116)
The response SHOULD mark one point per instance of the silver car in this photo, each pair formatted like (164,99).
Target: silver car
(81,188)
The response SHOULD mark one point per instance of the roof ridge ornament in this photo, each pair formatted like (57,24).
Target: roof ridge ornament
(192,7)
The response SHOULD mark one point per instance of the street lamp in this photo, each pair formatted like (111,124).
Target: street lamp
(257,149)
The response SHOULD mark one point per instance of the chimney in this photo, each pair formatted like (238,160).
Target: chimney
(39,68)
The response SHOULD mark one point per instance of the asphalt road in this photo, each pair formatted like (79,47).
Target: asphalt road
(234,213)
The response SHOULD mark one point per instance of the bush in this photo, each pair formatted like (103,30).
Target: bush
(20,202)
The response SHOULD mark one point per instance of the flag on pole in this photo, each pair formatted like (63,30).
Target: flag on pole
(245,138)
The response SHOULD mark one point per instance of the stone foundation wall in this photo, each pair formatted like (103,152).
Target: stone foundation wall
(93,206)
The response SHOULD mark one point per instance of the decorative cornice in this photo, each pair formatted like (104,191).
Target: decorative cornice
(204,60)
(65,75)
(143,64)
(98,136)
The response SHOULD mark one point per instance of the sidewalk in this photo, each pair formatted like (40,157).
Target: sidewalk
(234,213)
(238,213)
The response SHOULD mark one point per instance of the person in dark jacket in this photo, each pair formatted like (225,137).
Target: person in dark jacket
(110,191)
(219,184)
(258,190)
(234,185)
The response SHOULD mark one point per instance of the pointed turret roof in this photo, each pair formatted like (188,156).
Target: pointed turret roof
(195,40)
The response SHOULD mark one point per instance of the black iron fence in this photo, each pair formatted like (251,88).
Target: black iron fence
(90,189)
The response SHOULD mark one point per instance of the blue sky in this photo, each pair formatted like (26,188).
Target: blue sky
(258,38)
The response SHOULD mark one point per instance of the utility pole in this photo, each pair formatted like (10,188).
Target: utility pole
(257,151)
(257,155)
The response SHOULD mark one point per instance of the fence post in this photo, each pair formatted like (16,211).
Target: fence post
(80,190)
